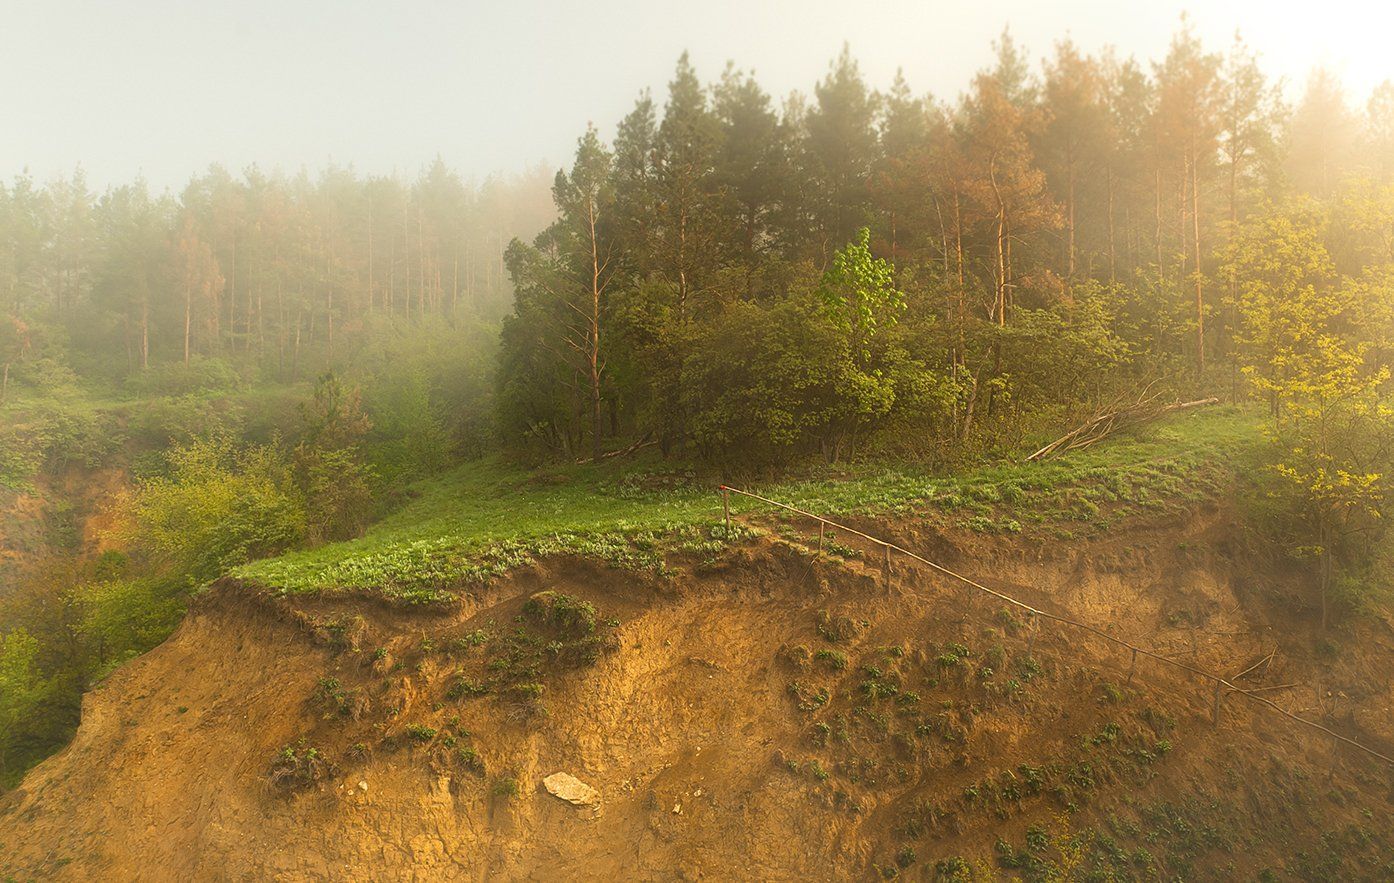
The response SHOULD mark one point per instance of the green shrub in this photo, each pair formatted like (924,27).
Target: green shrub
(420,732)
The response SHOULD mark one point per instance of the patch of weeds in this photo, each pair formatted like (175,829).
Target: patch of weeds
(837,629)
(464,687)
(1028,669)
(806,699)
(298,766)
(841,550)
(1158,719)
(835,659)
(331,695)
(420,732)
(466,643)
(948,659)
(953,869)
(470,760)
(506,787)
(1008,620)
(527,692)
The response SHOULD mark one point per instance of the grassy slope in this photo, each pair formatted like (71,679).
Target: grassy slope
(486,516)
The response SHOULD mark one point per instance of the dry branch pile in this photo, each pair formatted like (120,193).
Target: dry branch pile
(1146,408)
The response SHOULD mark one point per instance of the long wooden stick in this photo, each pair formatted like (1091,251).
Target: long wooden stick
(1064,620)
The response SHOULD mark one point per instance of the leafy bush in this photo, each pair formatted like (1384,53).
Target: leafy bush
(218,507)
(200,375)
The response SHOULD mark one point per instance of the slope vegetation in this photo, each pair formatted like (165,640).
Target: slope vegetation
(745,707)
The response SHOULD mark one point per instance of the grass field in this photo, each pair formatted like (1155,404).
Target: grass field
(486,516)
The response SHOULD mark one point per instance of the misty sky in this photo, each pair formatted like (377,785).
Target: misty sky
(165,87)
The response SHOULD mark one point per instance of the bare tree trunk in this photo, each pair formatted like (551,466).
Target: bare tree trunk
(1001,246)
(1200,297)
(958,246)
(145,333)
(1112,253)
(421,256)
(1157,211)
(371,297)
(188,318)
(1325,574)
(593,354)
(1070,220)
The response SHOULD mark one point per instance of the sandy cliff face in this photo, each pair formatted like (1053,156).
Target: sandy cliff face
(767,716)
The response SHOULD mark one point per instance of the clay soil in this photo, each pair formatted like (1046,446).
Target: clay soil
(767,715)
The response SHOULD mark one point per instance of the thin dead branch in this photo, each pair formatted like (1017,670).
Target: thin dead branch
(1113,418)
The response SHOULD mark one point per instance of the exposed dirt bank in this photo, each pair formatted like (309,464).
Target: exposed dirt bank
(768,716)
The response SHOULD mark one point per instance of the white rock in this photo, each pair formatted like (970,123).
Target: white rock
(362,786)
(571,789)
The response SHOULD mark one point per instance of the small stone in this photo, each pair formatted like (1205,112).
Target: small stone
(571,789)
(362,786)
(677,809)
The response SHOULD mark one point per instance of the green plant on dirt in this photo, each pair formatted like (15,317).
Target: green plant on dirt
(506,787)
(298,766)
(835,659)
(420,732)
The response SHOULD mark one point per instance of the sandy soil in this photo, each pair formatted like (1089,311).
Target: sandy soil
(706,764)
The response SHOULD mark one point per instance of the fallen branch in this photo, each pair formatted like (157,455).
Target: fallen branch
(1253,690)
(1251,668)
(1103,425)
(622,452)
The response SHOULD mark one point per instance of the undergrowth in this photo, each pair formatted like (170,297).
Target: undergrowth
(487,517)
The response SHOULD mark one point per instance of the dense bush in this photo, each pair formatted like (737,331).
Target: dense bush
(217,507)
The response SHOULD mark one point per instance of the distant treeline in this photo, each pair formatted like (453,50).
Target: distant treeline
(1054,235)
(260,268)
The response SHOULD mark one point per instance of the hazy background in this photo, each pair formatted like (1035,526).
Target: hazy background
(163,88)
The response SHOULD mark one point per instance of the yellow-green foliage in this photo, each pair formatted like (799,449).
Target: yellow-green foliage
(1307,349)
(22,692)
(216,509)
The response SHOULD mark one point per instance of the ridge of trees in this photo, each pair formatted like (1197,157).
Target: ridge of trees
(1056,232)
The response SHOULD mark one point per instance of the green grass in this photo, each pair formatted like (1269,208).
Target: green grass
(487,516)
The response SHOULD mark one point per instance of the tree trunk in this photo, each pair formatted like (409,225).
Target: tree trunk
(370,256)
(958,245)
(188,318)
(1112,253)
(593,356)
(1325,574)
(145,334)
(1070,220)
(1157,211)
(1200,296)
(1001,246)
